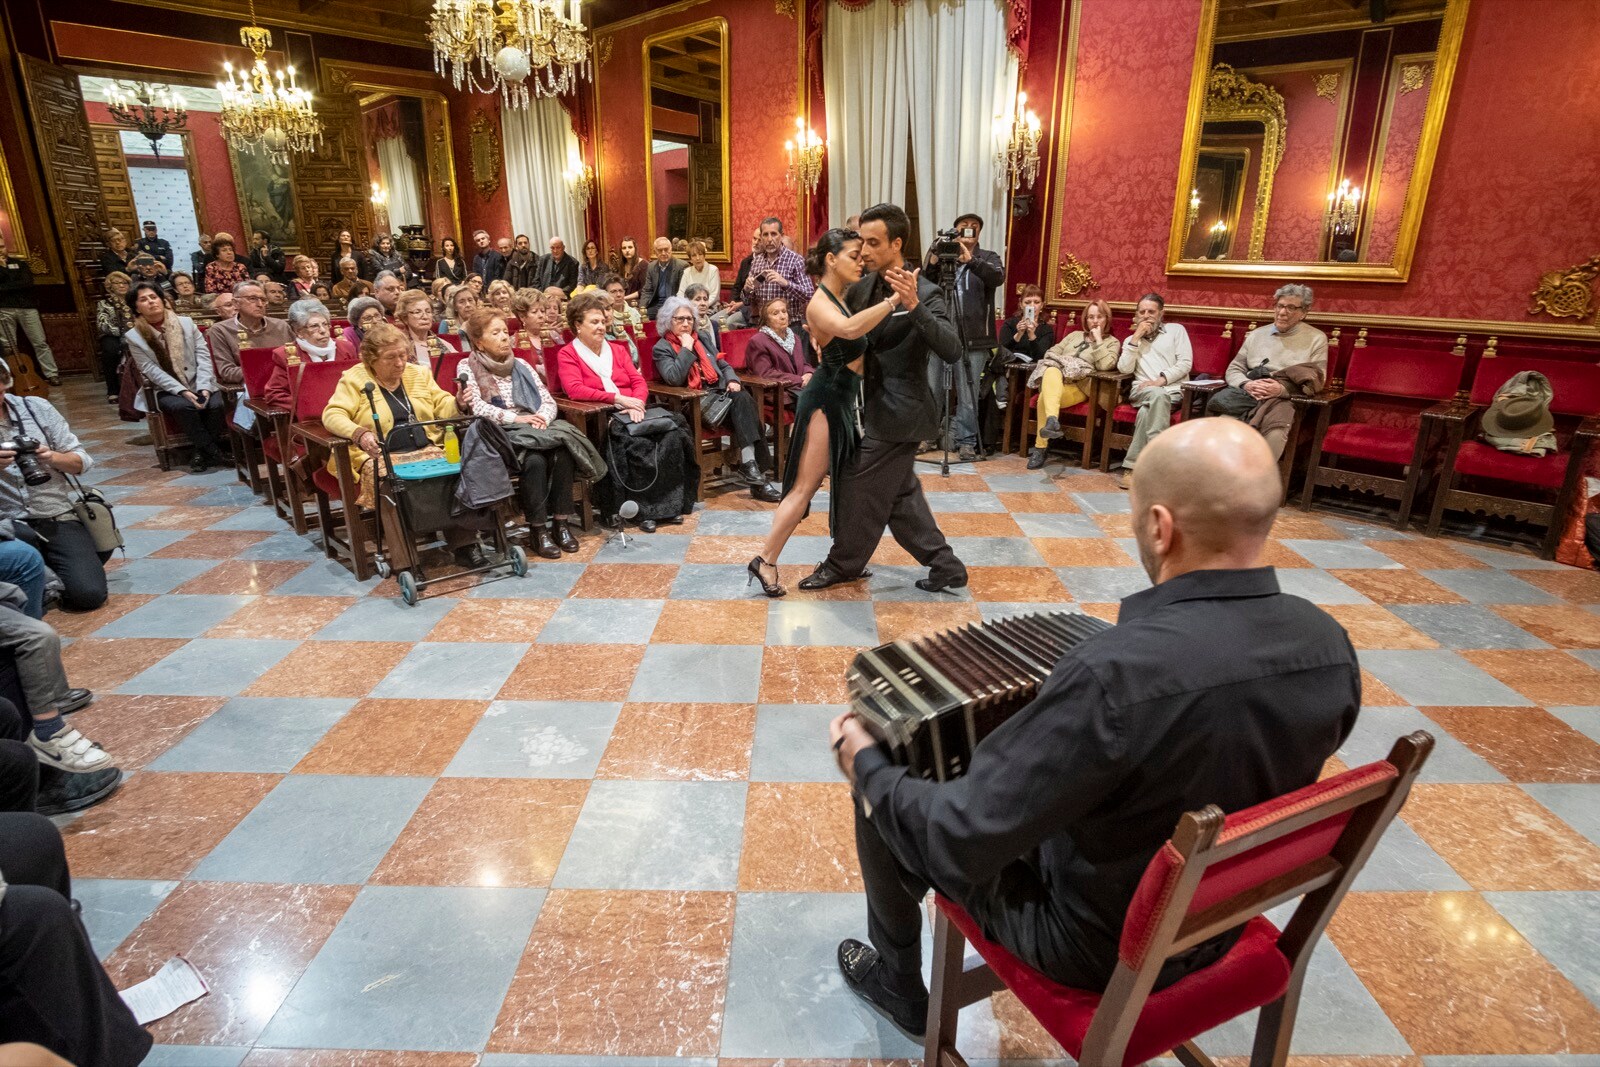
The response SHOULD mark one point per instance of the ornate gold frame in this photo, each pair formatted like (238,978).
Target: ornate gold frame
(487,183)
(1232,97)
(1449,49)
(722,255)
(1236,208)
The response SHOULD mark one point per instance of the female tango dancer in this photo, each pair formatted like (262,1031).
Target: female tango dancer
(827,425)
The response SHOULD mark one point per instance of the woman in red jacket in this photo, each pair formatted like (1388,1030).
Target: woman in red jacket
(780,352)
(651,458)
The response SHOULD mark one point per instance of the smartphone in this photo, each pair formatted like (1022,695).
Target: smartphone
(1030,313)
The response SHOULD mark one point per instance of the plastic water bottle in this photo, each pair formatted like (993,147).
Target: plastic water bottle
(452,445)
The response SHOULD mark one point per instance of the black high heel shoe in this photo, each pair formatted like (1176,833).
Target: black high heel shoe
(773,590)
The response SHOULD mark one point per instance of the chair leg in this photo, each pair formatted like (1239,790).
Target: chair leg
(1441,495)
(944,1002)
(1189,1055)
(1275,1027)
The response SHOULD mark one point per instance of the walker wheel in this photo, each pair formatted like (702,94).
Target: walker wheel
(408,588)
(383,568)
(519,561)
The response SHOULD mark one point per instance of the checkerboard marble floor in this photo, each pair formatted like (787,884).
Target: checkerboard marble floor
(589,816)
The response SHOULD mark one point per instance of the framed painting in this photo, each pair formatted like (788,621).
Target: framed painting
(266,198)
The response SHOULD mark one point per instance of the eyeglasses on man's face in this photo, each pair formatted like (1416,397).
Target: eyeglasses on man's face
(1292,308)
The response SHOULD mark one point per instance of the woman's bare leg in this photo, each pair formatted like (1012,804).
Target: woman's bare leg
(807,480)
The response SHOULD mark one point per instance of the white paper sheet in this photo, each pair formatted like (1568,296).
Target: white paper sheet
(170,988)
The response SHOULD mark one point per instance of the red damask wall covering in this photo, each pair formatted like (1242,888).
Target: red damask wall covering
(1513,185)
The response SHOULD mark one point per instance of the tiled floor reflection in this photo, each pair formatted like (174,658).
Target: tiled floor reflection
(589,816)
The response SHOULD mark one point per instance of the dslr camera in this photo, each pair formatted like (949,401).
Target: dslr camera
(33,472)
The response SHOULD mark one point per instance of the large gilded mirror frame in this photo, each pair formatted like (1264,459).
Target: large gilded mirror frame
(1232,97)
(1202,86)
(719,25)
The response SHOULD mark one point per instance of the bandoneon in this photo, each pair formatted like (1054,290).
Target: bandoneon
(931,699)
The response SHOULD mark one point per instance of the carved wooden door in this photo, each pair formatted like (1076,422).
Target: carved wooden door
(72,173)
(115,185)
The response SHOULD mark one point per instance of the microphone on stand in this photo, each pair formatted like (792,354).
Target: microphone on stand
(627,513)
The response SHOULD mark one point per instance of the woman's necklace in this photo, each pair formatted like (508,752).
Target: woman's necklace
(402,399)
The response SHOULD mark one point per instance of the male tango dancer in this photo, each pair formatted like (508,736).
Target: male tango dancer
(898,413)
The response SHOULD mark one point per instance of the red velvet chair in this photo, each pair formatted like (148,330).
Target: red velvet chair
(262,470)
(768,392)
(1478,477)
(1371,435)
(345,534)
(1212,354)
(1215,874)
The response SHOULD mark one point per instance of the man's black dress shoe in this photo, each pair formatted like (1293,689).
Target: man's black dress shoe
(564,538)
(543,545)
(61,792)
(863,973)
(647,525)
(75,700)
(938,583)
(825,575)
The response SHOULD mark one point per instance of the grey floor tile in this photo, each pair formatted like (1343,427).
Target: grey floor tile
(646,548)
(257,735)
(536,739)
(900,584)
(174,615)
(1584,720)
(1403,862)
(714,581)
(1348,554)
(808,550)
(317,829)
(1317,586)
(656,835)
(378,618)
(1564,927)
(1377,729)
(1045,524)
(1577,805)
(286,545)
(1591,656)
(1096,585)
(1504,559)
(996,552)
(195,1056)
(1438,678)
(453,670)
(602,622)
(210,667)
(324,578)
(138,544)
(544,581)
(734,523)
(704,673)
(821,622)
(114,907)
(410,967)
(264,519)
(1466,626)
(1034,482)
(1103,503)
(1490,587)
(1511,1061)
(155,575)
(963,502)
(235,496)
(791,743)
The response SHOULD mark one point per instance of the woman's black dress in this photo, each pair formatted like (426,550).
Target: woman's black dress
(835,390)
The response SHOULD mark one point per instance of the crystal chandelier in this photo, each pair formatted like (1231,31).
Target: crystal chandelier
(1016,161)
(804,155)
(153,110)
(497,44)
(264,110)
(1344,210)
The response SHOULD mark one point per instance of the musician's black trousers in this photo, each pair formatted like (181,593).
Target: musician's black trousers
(881,490)
(1014,912)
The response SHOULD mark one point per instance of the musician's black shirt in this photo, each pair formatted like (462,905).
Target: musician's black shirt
(1213,688)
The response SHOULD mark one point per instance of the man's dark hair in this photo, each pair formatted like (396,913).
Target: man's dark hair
(773,220)
(1160,303)
(894,219)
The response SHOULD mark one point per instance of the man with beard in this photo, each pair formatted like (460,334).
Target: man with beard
(522,266)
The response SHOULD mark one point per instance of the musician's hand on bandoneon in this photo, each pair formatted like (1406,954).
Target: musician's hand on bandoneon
(848,737)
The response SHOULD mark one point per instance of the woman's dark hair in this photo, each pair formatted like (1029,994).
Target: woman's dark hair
(894,219)
(262,233)
(133,295)
(831,243)
(455,249)
(219,243)
(582,304)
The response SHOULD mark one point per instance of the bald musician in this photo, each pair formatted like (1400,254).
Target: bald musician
(1045,838)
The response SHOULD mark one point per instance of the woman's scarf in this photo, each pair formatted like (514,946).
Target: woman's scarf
(600,364)
(702,369)
(786,341)
(168,345)
(318,353)
(487,373)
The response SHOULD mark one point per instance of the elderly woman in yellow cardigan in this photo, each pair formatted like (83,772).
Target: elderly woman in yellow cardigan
(404,393)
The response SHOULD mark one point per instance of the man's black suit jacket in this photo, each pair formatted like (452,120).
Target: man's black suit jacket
(562,272)
(899,405)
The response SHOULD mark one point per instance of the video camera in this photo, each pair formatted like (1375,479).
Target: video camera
(947,243)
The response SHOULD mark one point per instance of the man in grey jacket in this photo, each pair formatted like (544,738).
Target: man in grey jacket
(1159,357)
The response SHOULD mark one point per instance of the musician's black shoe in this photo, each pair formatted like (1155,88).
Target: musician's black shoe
(766,492)
(673,520)
(647,526)
(75,700)
(825,575)
(938,583)
(864,973)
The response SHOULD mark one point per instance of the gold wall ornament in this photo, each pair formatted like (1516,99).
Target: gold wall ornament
(1327,85)
(1567,294)
(602,50)
(485,155)
(1074,277)
(1232,97)
(784,7)
(1414,76)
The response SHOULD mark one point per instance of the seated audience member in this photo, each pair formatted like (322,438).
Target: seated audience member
(249,327)
(305,275)
(1062,374)
(35,647)
(592,268)
(344,247)
(682,358)
(630,266)
(117,255)
(363,313)
(504,389)
(349,278)
(701,273)
(383,257)
(21,565)
(706,326)
(176,361)
(277,296)
(555,304)
(1044,839)
(436,290)
(450,265)
(1159,357)
(265,257)
(459,302)
(313,343)
(1285,358)
(477,283)
(732,316)
(413,313)
(185,297)
(1026,336)
(224,272)
(661,278)
(656,469)
(522,266)
(320,292)
(626,313)
(386,289)
(558,270)
(112,319)
(42,514)
(28,784)
(779,352)
(617,309)
(220,305)
(500,295)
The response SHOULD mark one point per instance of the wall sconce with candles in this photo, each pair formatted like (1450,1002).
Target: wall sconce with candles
(1217,247)
(580,183)
(1017,159)
(380,196)
(1194,213)
(1344,209)
(804,157)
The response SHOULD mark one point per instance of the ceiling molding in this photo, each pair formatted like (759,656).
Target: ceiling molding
(366,24)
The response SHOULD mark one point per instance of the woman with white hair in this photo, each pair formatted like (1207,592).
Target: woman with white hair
(682,359)
(313,343)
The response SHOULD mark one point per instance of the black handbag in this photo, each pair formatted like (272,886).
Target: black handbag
(714,409)
(656,421)
(407,437)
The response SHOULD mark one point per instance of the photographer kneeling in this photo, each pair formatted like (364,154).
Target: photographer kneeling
(37,450)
